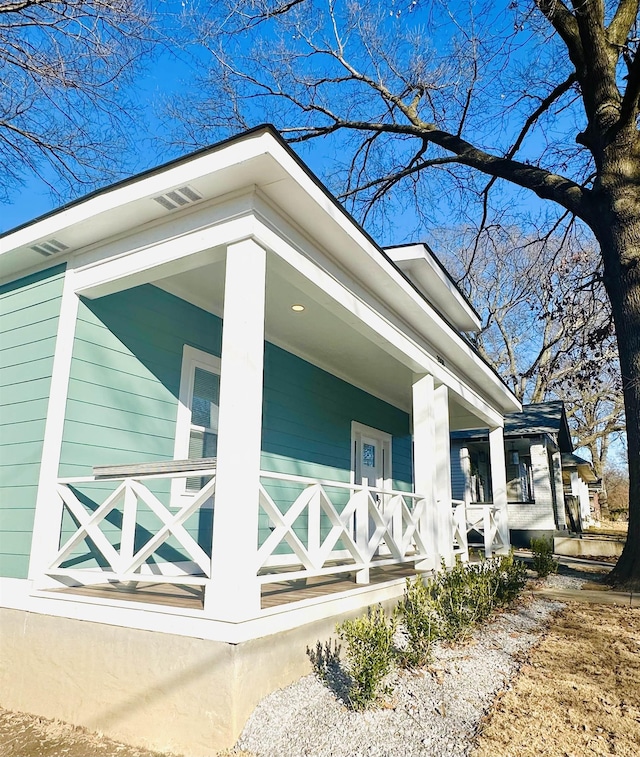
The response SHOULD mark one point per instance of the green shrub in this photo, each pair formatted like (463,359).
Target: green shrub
(454,601)
(447,606)
(421,622)
(544,562)
(460,598)
(325,659)
(510,578)
(370,654)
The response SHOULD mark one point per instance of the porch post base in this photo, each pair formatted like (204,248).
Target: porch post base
(231,602)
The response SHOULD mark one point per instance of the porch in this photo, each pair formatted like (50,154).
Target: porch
(123,543)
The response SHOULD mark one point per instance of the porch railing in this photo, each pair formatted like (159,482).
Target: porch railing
(330,527)
(123,528)
(129,554)
(459,529)
(490,522)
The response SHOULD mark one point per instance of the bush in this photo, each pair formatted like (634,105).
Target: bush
(454,601)
(325,659)
(421,622)
(544,562)
(370,654)
(445,607)
(510,577)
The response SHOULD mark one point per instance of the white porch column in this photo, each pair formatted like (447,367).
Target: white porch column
(499,483)
(443,474)
(49,508)
(424,464)
(465,467)
(581,491)
(558,500)
(233,592)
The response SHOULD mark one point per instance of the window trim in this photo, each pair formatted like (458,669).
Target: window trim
(192,358)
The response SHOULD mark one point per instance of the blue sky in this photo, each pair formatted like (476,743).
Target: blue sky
(171,71)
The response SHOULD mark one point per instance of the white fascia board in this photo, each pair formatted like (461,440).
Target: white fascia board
(141,259)
(405,347)
(129,204)
(418,263)
(365,261)
(158,251)
(257,159)
(400,305)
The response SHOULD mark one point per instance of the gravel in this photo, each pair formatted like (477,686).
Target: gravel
(432,712)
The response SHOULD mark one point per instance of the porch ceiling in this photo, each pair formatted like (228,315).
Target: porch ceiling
(324,333)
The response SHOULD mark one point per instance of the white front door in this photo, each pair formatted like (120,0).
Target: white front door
(371,456)
(371,464)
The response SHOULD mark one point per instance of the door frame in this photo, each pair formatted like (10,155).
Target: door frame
(358,430)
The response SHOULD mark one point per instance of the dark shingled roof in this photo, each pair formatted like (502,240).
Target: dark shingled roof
(536,419)
(541,418)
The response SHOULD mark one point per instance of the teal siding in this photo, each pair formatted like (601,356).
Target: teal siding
(125,377)
(123,395)
(124,386)
(306,429)
(29,311)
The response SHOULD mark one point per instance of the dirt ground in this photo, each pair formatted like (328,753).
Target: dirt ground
(578,693)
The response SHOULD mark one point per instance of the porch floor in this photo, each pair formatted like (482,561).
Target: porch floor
(272,594)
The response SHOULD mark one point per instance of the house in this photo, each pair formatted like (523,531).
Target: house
(227,419)
(547,485)
(582,488)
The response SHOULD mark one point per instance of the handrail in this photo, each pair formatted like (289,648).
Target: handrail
(337,484)
(106,479)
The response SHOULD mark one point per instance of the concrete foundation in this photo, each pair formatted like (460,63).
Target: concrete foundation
(150,689)
(587,547)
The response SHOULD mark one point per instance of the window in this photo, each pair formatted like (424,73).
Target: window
(197,420)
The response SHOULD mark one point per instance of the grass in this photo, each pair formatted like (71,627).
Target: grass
(577,695)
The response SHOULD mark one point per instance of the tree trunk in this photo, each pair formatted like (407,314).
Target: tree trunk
(617,227)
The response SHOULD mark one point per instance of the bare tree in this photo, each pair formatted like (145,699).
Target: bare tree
(65,66)
(546,324)
(539,96)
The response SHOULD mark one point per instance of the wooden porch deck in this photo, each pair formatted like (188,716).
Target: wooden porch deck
(273,594)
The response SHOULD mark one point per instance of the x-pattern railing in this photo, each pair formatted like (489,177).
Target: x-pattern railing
(459,527)
(122,561)
(375,527)
(486,520)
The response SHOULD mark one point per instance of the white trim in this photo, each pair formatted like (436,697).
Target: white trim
(48,512)
(251,216)
(192,358)
(401,342)
(17,595)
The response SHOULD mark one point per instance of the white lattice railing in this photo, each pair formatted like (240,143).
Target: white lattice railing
(315,527)
(372,527)
(459,528)
(117,555)
(489,521)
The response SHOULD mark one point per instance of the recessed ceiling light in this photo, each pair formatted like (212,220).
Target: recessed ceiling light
(297,308)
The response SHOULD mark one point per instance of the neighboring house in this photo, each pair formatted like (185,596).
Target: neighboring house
(547,485)
(581,491)
(227,419)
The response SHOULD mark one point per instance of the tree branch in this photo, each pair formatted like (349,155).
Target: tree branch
(625,16)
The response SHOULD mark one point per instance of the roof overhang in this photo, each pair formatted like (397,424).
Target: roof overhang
(260,163)
(419,263)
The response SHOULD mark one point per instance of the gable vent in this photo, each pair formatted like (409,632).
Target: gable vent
(50,247)
(178,198)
